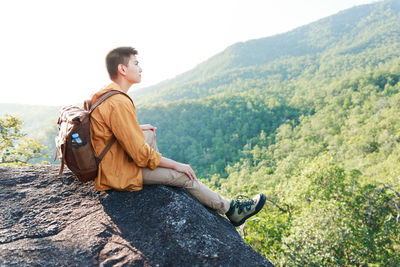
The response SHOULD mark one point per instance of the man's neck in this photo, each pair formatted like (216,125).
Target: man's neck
(124,84)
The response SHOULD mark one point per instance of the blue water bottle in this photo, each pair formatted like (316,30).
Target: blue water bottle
(76,141)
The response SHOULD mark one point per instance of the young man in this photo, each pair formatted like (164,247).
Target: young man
(134,159)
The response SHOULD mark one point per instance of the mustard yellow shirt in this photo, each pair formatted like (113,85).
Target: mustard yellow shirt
(121,167)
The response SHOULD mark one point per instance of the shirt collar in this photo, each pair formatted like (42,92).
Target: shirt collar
(114,86)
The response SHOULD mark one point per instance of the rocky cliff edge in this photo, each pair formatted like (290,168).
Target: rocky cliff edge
(51,220)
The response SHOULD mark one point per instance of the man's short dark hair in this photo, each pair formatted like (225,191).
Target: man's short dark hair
(119,55)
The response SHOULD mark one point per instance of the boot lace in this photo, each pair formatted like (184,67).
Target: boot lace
(243,202)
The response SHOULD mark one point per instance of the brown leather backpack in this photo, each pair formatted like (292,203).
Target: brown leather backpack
(81,161)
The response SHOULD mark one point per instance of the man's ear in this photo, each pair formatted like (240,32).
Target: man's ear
(122,69)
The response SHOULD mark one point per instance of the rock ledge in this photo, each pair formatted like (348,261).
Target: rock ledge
(47,220)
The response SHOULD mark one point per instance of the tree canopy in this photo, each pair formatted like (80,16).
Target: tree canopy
(15,148)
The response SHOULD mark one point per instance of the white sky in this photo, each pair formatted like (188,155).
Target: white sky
(52,52)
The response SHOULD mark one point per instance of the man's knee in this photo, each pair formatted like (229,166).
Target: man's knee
(191,184)
(150,138)
(180,179)
(149,134)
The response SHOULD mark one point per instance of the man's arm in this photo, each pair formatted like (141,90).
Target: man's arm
(164,162)
(120,116)
(177,166)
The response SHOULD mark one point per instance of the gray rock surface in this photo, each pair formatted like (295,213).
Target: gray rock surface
(48,220)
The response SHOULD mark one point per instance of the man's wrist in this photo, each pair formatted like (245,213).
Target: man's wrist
(175,165)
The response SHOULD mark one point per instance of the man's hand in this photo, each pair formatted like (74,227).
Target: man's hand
(146,127)
(186,169)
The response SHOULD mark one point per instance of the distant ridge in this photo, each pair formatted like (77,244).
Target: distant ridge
(348,32)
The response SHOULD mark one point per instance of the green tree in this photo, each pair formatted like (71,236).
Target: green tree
(15,148)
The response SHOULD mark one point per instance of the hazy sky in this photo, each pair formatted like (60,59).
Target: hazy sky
(52,52)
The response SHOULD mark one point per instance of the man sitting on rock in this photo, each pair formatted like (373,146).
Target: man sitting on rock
(134,159)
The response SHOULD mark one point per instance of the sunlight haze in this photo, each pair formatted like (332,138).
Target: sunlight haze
(52,52)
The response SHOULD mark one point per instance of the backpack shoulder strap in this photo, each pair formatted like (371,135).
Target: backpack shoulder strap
(105,150)
(102,98)
(95,105)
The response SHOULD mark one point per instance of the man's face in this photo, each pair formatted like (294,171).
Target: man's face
(133,71)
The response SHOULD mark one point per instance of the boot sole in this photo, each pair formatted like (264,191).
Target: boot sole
(259,206)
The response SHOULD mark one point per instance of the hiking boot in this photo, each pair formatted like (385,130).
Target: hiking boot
(244,207)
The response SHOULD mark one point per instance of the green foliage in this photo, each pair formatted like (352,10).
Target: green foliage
(328,145)
(322,216)
(332,178)
(39,123)
(15,148)
(209,133)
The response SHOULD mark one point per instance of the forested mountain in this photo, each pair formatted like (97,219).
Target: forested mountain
(332,45)
(310,118)
(315,118)
(332,179)
(255,79)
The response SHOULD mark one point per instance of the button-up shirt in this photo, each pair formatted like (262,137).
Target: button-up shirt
(121,167)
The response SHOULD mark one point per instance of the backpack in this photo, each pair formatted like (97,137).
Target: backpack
(81,161)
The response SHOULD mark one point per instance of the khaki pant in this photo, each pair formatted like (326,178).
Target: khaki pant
(170,177)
